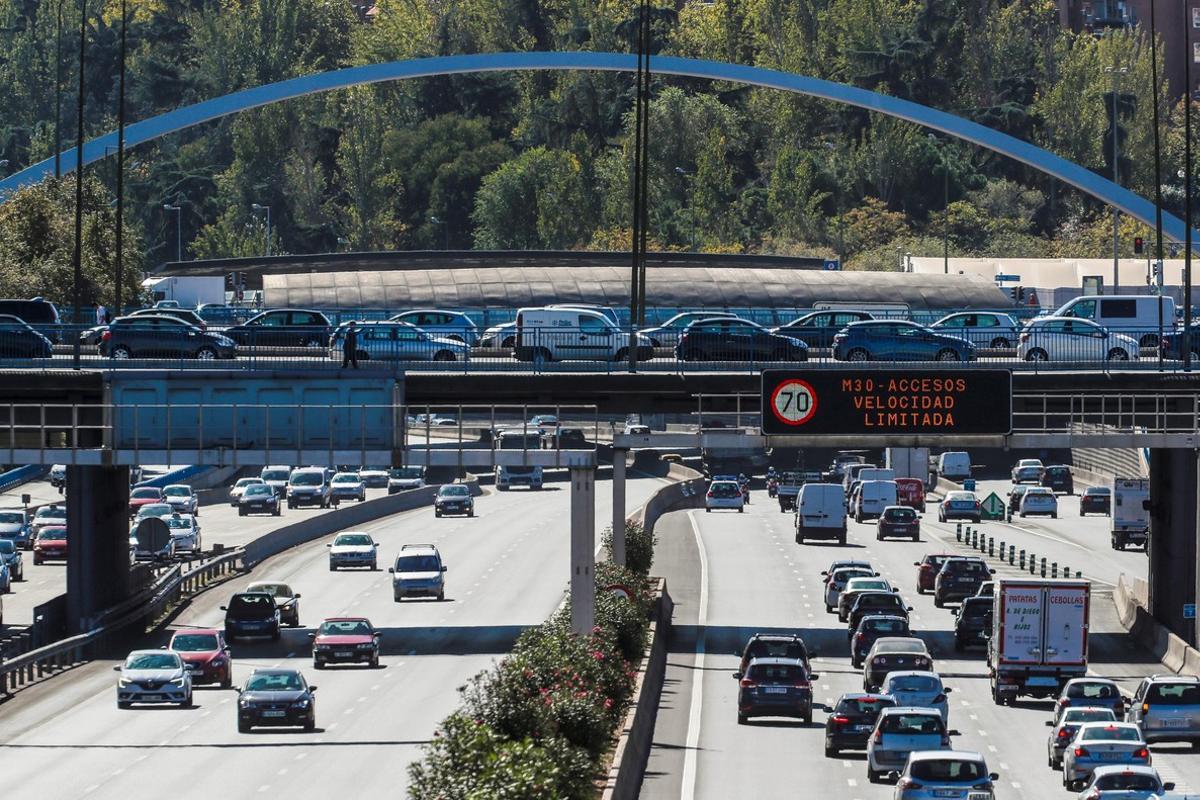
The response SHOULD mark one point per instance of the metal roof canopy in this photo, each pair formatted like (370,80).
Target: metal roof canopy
(1013,441)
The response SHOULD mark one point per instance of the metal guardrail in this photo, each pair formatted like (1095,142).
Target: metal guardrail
(149,604)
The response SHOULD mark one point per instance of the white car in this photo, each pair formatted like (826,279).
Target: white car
(182,499)
(724,494)
(919,689)
(154,676)
(1028,469)
(1039,500)
(239,488)
(185,532)
(353,549)
(1073,340)
(632,429)
(52,516)
(348,486)
(1125,783)
(900,731)
(1102,744)
(835,584)
(403,479)
(945,773)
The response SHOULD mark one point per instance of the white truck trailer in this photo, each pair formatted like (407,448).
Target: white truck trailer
(1130,518)
(188,291)
(1039,637)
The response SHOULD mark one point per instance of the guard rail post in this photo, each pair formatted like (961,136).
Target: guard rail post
(991,543)
(1053,569)
(1043,566)
(958,532)
(1022,558)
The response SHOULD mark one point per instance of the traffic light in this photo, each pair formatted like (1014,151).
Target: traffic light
(231,281)
(1139,246)
(1018,293)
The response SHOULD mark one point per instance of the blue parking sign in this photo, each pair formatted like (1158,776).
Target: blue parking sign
(832,265)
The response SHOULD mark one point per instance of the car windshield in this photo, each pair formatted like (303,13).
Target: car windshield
(407,473)
(955,497)
(145,492)
(1101,691)
(11,518)
(867,584)
(152,661)
(884,625)
(966,568)
(179,522)
(177,491)
(776,672)
(1057,472)
(352,540)
(900,515)
(1082,715)
(939,770)
(977,608)
(1174,694)
(55,534)
(345,477)
(454,491)
(274,682)
(725,489)
(345,627)
(156,510)
(417,564)
(1111,733)
(870,706)
(911,724)
(275,475)
(877,600)
(902,647)
(244,482)
(194,642)
(273,589)
(7,547)
(258,488)
(913,683)
(767,648)
(1128,780)
(307,479)
(844,575)
(259,604)
(1097,491)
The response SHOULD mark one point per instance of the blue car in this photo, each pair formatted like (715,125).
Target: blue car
(898,340)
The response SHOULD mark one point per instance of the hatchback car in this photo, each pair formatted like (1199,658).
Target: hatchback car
(960,505)
(667,334)
(259,498)
(973,623)
(18,339)
(1100,744)
(960,578)
(952,774)
(286,600)
(353,549)
(10,558)
(1094,692)
(205,651)
(1058,478)
(348,486)
(185,533)
(1038,500)
(894,654)
(276,698)
(154,676)
(418,572)
(284,327)
(182,499)
(727,339)
(927,571)
(397,341)
(898,521)
(1125,783)
(898,340)
(919,689)
(773,645)
(725,495)
(15,527)
(835,584)
(818,328)
(1167,707)
(453,325)
(899,732)
(876,603)
(160,336)
(345,640)
(251,614)
(1096,500)
(981,328)
(849,724)
(51,545)
(775,687)
(856,586)
(141,496)
(1015,495)
(1028,470)
(1072,340)
(870,629)
(1064,726)
(454,498)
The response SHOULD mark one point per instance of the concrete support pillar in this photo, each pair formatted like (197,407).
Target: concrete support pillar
(1173,533)
(98,527)
(583,549)
(618,515)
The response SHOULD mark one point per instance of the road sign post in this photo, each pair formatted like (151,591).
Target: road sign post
(993,507)
(832,265)
(1189,610)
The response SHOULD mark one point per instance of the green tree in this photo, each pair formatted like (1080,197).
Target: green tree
(536,201)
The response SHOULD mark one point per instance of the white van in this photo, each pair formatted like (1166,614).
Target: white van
(1131,314)
(557,334)
(873,497)
(877,474)
(954,465)
(509,476)
(821,512)
(851,473)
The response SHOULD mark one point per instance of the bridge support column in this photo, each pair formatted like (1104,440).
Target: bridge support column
(583,549)
(98,526)
(618,516)
(1173,533)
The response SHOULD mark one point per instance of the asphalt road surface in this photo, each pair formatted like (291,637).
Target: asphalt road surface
(734,574)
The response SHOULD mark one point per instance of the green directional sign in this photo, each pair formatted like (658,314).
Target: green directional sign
(993,507)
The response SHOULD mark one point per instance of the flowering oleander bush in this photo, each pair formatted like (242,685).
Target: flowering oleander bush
(639,546)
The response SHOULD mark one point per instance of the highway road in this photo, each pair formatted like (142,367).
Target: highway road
(508,569)
(733,574)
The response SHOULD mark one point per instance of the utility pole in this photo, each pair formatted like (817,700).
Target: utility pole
(58,79)
(120,273)
(77,260)
(1116,176)
(1187,191)
(1158,241)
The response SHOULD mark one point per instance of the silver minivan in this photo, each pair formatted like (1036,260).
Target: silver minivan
(981,328)
(1167,707)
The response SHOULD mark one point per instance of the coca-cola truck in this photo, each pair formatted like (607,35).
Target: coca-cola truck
(1039,637)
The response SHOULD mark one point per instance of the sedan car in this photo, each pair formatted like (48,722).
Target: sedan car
(872,628)
(973,623)
(374,477)
(141,496)
(725,495)
(1028,470)
(154,676)
(353,549)
(10,557)
(818,328)
(1064,726)
(284,327)
(206,652)
(397,341)
(856,586)
(876,603)
(499,337)
(159,336)
(899,732)
(51,545)
(259,498)
(960,505)
(959,578)
(454,498)
(1125,783)
(981,328)
(18,339)
(849,724)
(667,334)
(276,698)
(286,600)
(452,325)
(251,614)
(898,521)
(348,486)
(1096,500)
(894,654)
(919,689)
(898,340)
(181,497)
(1100,744)
(775,687)
(160,510)
(14,527)
(727,339)
(236,491)
(1038,500)
(345,640)
(1069,339)
(835,584)
(927,571)
(1058,478)
(945,774)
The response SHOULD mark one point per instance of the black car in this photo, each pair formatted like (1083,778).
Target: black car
(251,614)
(869,603)
(818,328)
(773,645)
(736,340)
(960,578)
(1172,344)
(37,312)
(973,623)
(157,336)
(1015,496)
(1058,478)
(873,627)
(775,687)
(569,439)
(898,521)
(276,698)
(285,327)
(454,498)
(19,340)
(1096,500)
(852,721)
(259,498)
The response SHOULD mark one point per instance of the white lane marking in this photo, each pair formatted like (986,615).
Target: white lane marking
(1003,766)
(992,748)
(687,788)
(300,756)
(1016,786)
(266,787)
(851,782)
(282,771)
(847,765)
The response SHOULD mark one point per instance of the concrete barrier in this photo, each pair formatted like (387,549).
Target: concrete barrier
(1173,652)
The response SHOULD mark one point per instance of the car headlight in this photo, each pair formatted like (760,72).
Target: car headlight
(243,702)
(180,681)
(124,683)
(217,662)
(300,704)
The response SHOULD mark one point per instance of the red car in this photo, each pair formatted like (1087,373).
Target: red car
(929,567)
(143,496)
(345,640)
(51,544)
(911,492)
(205,649)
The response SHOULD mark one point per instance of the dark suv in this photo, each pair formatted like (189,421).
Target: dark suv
(773,645)
(285,327)
(1059,479)
(869,603)
(973,623)
(775,687)
(960,578)
(251,614)
(875,627)
(853,718)
(157,336)
(19,340)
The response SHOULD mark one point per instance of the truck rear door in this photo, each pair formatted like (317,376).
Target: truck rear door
(1066,624)
(1019,615)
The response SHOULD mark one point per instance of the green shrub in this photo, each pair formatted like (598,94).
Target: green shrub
(639,546)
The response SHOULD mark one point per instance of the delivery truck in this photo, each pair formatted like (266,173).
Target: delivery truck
(1130,518)
(189,291)
(1039,637)
(908,462)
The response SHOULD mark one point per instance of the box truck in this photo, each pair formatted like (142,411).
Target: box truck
(1039,637)
(1130,512)
(908,462)
(188,291)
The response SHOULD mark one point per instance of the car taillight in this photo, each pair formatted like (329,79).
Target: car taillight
(878,737)
(1064,733)
(105,336)
(941,698)
(858,637)
(800,685)
(1094,795)
(1081,752)
(977,506)
(1024,337)
(710,494)
(907,783)
(840,720)
(1063,701)
(1143,753)
(746,683)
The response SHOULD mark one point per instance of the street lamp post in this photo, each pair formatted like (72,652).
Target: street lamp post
(77,259)
(691,203)
(178,229)
(1188,97)
(1116,150)
(58,94)
(120,248)
(267,243)
(445,231)
(945,204)
(841,230)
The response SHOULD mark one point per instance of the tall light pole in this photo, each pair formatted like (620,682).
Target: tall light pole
(445,231)
(837,177)
(1187,190)
(1116,73)
(259,209)
(177,210)
(945,204)
(58,79)
(1158,239)
(77,259)
(691,203)
(120,249)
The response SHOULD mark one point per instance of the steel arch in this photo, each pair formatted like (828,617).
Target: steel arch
(1080,177)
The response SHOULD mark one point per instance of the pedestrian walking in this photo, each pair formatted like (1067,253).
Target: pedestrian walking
(350,346)
(101,314)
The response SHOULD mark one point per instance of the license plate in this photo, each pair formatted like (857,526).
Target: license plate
(947,793)
(1041,681)
(342,654)
(1112,756)
(861,728)
(151,697)
(1174,723)
(275,714)
(979,796)
(775,690)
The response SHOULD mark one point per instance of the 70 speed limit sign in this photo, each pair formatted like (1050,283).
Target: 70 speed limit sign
(794,402)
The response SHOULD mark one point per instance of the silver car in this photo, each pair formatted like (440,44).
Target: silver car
(185,532)
(1099,744)
(348,486)
(448,325)
(835,584)
(1126,783)
(953,774)
(919,689)
(900,732)
(981,328)
(398,341)
(1039,500)
(14,526)
(1063,728)
(182,499)
(353,549)
(1167,707)
(154,676)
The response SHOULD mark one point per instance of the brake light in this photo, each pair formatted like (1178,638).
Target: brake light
(858,637)
(839,720)
(106,335)
(907,783)
(746,683)
(941,698)
(800,685)
(710,494)
(1024,337)
(1064,733)
(1143,753)
(878,737)
(1063,701)
(867,700)
(1094,795)
(1081,752)
(976,504)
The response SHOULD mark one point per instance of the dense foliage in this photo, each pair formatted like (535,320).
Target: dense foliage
(543,160)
